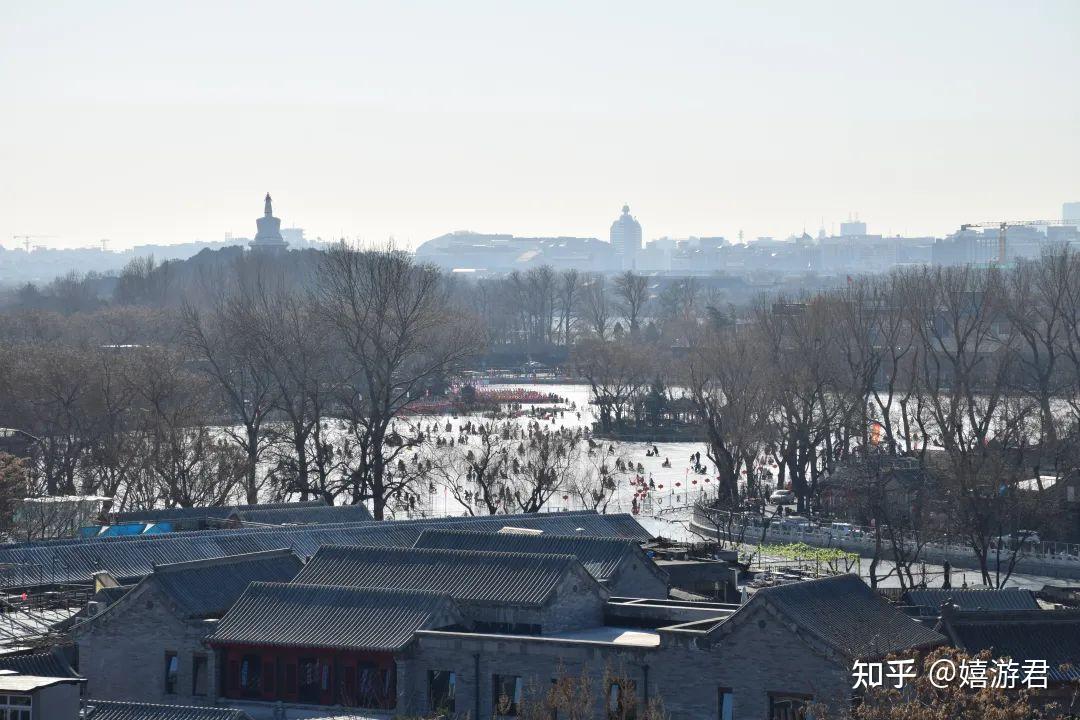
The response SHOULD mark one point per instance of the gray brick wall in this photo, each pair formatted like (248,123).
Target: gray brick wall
(634,580)
(536,662)
(122,652)
(752,661)
(577,603)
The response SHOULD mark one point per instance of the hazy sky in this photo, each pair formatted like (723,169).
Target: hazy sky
(150,121)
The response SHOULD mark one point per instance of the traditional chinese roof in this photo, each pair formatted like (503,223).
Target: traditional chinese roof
(843,613)
(973,599)
(130,558)
(44,664)
(112,710)
(1050,635)
(207,588)
(304,515)
(219,512)
(467,576)
(320,616)
(604,558)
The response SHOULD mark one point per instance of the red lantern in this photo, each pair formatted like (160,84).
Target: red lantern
(565,497)
(706,479)
(678,484)
(660,487)
(694,482)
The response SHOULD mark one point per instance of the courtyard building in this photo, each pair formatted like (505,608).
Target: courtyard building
(148,646)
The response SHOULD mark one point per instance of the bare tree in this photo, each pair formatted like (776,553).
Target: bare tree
(568,299)
(596,306)
(965,367)
(113,455)
(474,474)
(727,383)
(539,466)
(801,357)
(633,293)
(617,372)
(1038,308)
(185,463)
(399,335)
(228,356)
(291,344)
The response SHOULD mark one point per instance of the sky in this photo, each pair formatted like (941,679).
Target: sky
(162,122)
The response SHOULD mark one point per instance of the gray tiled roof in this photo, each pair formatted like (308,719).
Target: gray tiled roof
(304,515)
(845,613)
(506,578)
(625,525)
(45,664)
(602,557)
(1050,635)
(318,616)
(131,558)
(216,511)
(112,710)
(973,599)
(207,588)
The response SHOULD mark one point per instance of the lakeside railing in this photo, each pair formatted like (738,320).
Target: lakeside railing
(752,528)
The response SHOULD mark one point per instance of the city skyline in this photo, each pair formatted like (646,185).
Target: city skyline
(164,124)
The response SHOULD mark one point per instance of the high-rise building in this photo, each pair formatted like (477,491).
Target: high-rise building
(1070,213)
(852,228)
(626,238)
(268,238)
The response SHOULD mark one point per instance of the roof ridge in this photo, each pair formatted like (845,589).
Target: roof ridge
(164,705)
(530,537)
(480,554)
(775,589)
(223,560)
(1018,614)
(368,589)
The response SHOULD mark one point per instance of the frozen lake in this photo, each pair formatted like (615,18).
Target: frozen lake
(677,484)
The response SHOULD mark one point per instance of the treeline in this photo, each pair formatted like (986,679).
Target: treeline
(258,362)
(974,373)
(189,377)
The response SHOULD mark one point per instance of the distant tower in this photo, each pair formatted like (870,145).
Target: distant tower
(1070,213)
(268,238)
(626,238)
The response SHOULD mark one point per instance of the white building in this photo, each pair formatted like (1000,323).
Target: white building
(626,238)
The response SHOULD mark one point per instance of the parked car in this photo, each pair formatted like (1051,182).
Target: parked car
(782,497)
(842,529)
(795,523)
(1025,540)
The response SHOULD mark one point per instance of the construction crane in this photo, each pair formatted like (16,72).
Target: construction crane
(1003,227)
(25,239)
